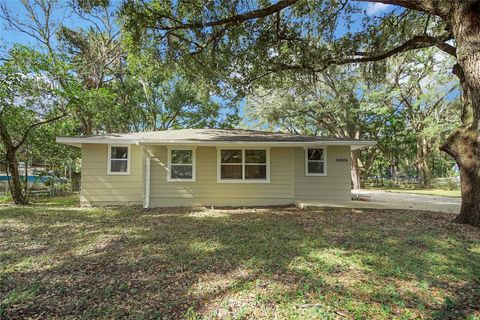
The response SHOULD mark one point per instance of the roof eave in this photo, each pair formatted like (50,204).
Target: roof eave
(77,142)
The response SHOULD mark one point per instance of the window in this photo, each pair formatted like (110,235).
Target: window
(243,165)
(315,162)
(231,164)
(118,159)
(255,164)
(181,164)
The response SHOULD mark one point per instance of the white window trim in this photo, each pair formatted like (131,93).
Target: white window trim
(243,180)
(194,164)
(109,163)
(324,174)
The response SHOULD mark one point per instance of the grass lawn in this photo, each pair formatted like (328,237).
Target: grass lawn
(61,261)
(430,192)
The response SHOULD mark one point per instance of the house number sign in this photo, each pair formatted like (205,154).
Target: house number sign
(341,160)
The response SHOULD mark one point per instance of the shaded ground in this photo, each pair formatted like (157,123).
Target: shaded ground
(271,263)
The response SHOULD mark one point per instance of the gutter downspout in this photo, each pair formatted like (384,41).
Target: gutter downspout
(146,199)
(147,183)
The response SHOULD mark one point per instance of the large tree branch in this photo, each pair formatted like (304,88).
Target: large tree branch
(436,7)
(236,19)
(440,100)
(35,125)
(417,42)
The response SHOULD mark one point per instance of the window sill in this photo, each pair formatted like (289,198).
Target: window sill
(118,173)
(243,181)
(181,180)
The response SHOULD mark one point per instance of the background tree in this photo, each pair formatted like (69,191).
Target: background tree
(125,90)
(28,101)
(334,103)
(168,98)
(95,53)
(408,113)
(429,100)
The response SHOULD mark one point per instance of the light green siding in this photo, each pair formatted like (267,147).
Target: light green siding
(288,181)
(207,191)
(100,188)
(334,186)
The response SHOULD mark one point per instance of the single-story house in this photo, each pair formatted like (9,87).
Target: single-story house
(213,167)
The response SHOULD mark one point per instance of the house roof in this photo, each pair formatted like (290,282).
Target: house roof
(212,137)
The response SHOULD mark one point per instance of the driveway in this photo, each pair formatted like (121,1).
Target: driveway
(390,200)
(413,201)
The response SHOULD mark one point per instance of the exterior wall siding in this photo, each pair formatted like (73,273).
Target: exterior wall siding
(98,188)
(206,191)
(287,180)
(335,186)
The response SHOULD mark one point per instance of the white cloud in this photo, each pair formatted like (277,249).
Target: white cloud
(377,8)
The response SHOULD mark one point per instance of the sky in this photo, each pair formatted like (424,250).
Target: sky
(9,36)
(377,8)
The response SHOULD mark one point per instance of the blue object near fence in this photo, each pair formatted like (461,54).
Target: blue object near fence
(29,178)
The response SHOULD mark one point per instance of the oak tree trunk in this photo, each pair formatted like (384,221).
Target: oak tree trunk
(355,171)
(15,180)
(423,152)
(464,144)
(12,165)
(464,147)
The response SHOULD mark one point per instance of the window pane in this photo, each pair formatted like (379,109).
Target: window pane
(231,172)
(231,156)
(181,172)
(255,172)
(255,156)
(119,153)
(182,156)
(315,154)
(316,167)
(118,165)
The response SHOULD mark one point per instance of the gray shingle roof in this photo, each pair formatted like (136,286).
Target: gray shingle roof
(210,136)
(213,135)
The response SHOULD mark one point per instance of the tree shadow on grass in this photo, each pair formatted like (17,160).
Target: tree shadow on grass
(464,302)
(173,262)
